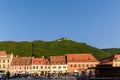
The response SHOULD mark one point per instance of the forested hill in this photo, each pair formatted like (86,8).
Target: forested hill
(112,50)
(46,48)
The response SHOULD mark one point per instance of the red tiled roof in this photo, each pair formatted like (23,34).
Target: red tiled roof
(46,62)
(37,60)
(57,60)
(116,56)
(86,57)
(3,53)
(21,61)
(110,58)
(110,62)
(8,55)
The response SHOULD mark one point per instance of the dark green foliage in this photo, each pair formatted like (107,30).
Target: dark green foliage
(17,48)
(58,47)
(112,50)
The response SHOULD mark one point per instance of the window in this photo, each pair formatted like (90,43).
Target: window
(94,65)
(91,65)
(45,67)
(36,67)
(33,67)
(3,66)
(8,60)
(8,65)
(83,65)
(3,60)
(75,65)
(87,65)
(41,67)
(64,67)
(59,67)
(54,67)
(79,65)
(48,67)
(54,71)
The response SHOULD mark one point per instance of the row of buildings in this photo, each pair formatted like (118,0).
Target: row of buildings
(55,64)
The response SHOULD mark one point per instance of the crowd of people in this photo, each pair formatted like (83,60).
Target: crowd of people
(79,76)
(85,75)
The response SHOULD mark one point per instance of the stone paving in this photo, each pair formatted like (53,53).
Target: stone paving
(68,78)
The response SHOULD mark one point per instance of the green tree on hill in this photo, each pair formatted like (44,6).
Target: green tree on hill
(40,48)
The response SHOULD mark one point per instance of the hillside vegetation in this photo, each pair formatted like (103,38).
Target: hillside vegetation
(112,50)
(40,48)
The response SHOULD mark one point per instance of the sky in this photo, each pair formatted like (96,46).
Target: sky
(95,22)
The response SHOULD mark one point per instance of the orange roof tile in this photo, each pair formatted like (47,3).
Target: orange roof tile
(110,58)
(3,54)
(46,62)
(57,60)
(110,62)
(21,61)
(116,56)
(86,57)
(8,55)
(37,60)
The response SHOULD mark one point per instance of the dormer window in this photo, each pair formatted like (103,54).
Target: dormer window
(27,62)
(34,62)
(107,60)
(73,58)
(88,58)
(57,62)
(117,58)
(53,62)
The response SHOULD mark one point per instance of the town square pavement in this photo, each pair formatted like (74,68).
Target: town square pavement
(69,78)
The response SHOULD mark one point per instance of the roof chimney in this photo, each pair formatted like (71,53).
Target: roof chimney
(43,57)
(16,56)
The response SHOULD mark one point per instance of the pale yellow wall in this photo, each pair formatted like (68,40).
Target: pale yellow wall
(5,62)
(37,68)
(59,68)
(116,63)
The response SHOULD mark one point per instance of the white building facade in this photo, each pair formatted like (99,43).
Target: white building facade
(58,64)
(57,68)
(21,65)
(5,61)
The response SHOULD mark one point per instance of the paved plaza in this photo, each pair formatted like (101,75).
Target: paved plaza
(68,78)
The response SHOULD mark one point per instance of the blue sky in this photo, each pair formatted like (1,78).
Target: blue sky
(95,22)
